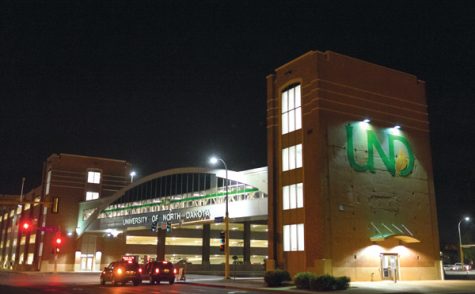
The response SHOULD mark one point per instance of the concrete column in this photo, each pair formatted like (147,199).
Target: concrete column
(161,236)
(246,251)
(206,248)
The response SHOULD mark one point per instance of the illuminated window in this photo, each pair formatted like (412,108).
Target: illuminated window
(91,195)
(291,109)
(93,177)
(294,237)
(292,157)
(48,182)
(292,196)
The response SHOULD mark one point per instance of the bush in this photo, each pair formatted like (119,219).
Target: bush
(342,283)
(302,280)
(323,283)
(275,278)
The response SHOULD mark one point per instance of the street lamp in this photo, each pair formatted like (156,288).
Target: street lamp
(460,238)
(132,175)
(214,160)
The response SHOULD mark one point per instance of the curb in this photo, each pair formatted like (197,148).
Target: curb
(225,286)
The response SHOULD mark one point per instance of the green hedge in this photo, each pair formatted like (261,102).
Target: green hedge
(323,283)
(308,280)
(342,283)
(302,280)
(275,278)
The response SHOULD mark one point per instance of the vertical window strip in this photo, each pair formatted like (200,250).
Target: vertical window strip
(300,237)
(293,197)
(291,110)
(298,156)
(48,182)
(285,159)
(292,157)
(286,238)
(299,187)
(285,196)
(293,236)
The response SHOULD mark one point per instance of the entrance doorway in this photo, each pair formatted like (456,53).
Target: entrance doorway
(390,266)
(87,262)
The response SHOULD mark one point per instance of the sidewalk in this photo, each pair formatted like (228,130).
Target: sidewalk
(238,283)
(258,284)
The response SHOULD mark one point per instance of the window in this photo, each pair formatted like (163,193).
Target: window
(93,177)
(91,195)
(292,157)
(48,182)
(291,109)
(294,237)
(292,196)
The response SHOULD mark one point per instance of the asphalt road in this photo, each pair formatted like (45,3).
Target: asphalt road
(177,288)
(26,283)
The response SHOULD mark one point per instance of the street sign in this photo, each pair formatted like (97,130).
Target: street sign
(219,219)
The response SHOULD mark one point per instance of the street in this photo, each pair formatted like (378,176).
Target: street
(24,283)
(79,283)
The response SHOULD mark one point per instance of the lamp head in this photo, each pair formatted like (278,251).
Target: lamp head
(133,173)
(213,160)
(467,218)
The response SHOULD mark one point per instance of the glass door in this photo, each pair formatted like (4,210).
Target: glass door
(87,263)
(389,266)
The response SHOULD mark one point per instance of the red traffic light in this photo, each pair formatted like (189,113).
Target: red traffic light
(25,226)
(58,241)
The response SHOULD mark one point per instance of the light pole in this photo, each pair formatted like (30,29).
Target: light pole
(213,160)
(460,238)
(132,175)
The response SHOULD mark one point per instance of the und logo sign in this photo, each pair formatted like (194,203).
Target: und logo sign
(401,165)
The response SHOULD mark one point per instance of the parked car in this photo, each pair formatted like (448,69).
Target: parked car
(121,272)
(157,271)
(458,266)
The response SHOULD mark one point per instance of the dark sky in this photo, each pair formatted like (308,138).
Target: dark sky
(164,84)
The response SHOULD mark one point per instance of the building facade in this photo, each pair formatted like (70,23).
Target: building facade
(350,172)
(71,179)
(103,216)
(186,206)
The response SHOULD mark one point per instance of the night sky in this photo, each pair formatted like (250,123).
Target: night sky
(164,84)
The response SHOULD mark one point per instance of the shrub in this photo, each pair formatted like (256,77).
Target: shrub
(342,283)
(275,278)
(323,283)
(302,280)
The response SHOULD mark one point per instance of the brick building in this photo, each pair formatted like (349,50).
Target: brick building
(350,172)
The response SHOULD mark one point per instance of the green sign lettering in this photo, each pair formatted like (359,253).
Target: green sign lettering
(401,165)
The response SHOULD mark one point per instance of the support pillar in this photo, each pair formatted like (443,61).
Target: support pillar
(161,236)
(206,247)
(246,251)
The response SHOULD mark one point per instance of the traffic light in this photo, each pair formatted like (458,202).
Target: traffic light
(153,228)
(25,226)
(169,227)
(58,241)
(222,237)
